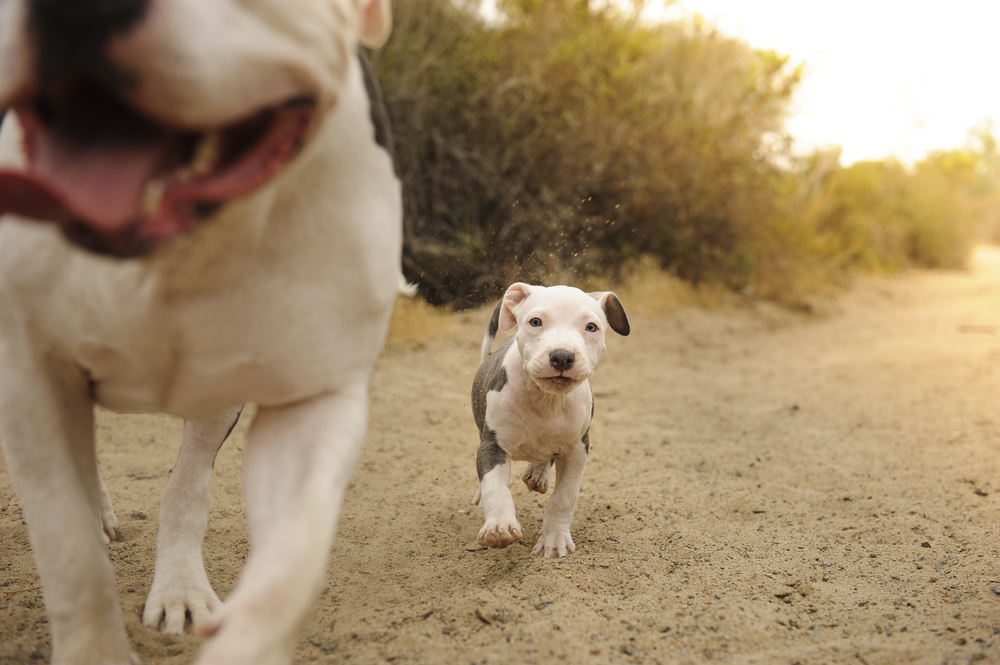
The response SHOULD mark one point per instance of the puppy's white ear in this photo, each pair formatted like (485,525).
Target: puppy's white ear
(376,22)
(613,310)
(516,294)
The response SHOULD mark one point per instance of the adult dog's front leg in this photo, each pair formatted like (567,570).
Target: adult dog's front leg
(47,433)
(109,522)
(554,540)
(299,460)
(180,585)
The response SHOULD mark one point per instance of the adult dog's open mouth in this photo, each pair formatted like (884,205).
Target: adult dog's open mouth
(118,183)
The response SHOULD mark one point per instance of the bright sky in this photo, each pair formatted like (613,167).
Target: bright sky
(882,77)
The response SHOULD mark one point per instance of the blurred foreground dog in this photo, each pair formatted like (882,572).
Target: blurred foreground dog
(532,401)
(221,228)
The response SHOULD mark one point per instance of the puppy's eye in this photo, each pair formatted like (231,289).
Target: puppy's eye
(536,322)
(591,327)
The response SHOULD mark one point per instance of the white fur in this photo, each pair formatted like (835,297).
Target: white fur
(282,299)
(536,421)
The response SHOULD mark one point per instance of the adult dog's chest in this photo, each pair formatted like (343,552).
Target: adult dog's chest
(272,333)
(262,345)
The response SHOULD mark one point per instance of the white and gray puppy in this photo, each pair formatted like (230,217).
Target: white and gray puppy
(532,401)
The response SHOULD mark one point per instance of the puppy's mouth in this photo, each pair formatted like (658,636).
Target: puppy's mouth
(119,183)
(557,384)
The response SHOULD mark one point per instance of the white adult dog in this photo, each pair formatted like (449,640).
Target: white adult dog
(222,153)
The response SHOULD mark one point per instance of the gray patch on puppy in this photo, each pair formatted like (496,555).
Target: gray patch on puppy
(495,320)
(490,454)
(491,332)
(491,375)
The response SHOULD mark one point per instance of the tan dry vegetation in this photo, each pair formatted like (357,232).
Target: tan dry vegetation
(416,322)
(764,487)
(653,292)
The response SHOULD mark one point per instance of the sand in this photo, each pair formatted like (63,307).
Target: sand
(765,486)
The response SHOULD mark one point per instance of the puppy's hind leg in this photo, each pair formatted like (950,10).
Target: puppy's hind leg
(536,476)
(180,585)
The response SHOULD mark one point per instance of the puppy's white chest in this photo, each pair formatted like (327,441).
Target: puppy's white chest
(537,432)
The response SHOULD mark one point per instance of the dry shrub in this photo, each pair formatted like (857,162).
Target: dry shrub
(568,140)
(564,142)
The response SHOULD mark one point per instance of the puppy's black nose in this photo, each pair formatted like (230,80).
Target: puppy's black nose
(561,359)
(73,34)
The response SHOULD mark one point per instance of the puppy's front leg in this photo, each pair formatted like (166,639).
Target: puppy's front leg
(180,585)
(500,527)
(554,540)
(299,460)
(47,434)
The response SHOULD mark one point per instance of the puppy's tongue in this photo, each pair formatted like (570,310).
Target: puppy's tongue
(102,185)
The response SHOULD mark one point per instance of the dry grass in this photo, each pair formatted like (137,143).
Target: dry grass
(416,322)
(649,291)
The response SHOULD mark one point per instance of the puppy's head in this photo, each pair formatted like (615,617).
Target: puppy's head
(142,117)
(560,331)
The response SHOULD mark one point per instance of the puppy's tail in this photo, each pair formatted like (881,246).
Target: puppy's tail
(491,332)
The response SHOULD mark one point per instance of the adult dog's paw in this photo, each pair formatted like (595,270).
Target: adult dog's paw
(499,533)
(536,477)
(174,597)
(553,545)
(109,523)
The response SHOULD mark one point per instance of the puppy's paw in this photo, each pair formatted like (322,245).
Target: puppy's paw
(553,545)
(479,495)
(536,477)
(499,533)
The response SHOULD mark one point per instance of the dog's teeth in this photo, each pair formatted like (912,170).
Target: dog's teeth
(152,196)
(206,154)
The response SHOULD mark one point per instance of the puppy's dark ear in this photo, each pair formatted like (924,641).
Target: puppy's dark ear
(613,309)
(516,294)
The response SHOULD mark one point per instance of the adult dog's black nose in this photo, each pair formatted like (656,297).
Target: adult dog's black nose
(561,359)
(72,35)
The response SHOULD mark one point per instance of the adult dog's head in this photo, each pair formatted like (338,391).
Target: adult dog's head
(141,117)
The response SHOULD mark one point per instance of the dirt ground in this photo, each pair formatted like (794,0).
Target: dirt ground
(764,487)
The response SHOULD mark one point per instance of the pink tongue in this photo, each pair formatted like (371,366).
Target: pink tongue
(100,187)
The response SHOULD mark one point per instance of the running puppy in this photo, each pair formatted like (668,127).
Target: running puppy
(532,401)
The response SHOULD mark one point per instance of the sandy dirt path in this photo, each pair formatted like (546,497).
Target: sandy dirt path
(764,487)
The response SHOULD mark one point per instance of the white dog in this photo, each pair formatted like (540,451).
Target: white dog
(532,401)
(222,152)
